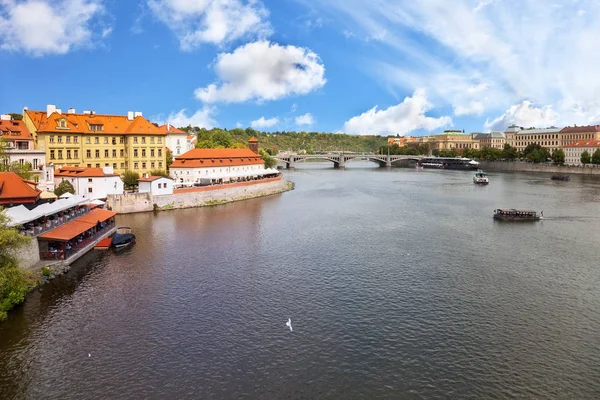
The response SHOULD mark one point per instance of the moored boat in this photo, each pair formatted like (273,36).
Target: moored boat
(504,214)
(123,238)
(561,178)
(480,178)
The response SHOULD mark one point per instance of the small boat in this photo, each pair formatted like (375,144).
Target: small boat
(123,238)
(512,214)
(561,178)
(480,178)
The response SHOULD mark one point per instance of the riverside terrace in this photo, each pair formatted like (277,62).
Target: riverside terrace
(340,159)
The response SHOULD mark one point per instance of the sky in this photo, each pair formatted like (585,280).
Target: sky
(381,67)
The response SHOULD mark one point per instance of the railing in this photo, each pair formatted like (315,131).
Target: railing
(63,254)
(55,223)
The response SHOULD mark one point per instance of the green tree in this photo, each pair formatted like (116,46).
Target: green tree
(130,179)
(16,116)
(159,172)
(15,282)
(509,152)
(596,157)
(558,156)
(24,170)
(222,139)
(270,162)
(64,187)
(585,157)
(435,152)
(169,159)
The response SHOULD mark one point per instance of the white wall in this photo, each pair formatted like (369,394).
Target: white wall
(177,143)
(187,175)
(100,186)
(166,187)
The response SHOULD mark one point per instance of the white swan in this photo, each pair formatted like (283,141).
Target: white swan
(289,323)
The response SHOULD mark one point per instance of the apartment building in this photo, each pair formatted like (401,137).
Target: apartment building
(572,134)
(18,145)
(90,140)
(574,150)
(453,139)
(550,138)
(494,140)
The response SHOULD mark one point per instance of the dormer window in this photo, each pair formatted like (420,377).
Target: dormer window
(96,127)
(62,123)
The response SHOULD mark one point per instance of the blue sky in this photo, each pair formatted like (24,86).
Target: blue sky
(356,66)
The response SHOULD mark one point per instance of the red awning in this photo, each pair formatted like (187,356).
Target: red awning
(76,227)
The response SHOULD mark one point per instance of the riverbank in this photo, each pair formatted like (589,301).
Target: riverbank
(508,166)
(197,197)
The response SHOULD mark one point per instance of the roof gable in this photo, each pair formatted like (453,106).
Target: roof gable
(12,186)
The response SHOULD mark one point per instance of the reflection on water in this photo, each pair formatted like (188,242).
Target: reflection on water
(398,282)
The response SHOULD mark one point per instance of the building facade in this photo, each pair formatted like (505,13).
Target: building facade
(155,185)
(453,140)
(90,183)
(572,134)
(494,140)
(18,146)
(91,140)
(550,138)
(574,150)
(176,139)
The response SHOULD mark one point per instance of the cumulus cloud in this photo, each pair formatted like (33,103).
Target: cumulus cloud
(202,118)
(264,71)
(525,115)
(196,22)
(399,119)
(306,119)
(264,123)
(40,27)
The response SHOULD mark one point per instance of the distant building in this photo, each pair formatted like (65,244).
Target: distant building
(91,183)
(574,150)
(176,139)
(18,145)
(452,139)
(550,138)
(572,134)
(15,190)
(495,140)
(155,185)
(253,144)
(401,141)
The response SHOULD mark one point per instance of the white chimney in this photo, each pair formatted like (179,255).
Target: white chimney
(168,127)
(50,109)
(146,175)
(58,110)
(108,170)
(87,112)
(137,114)
(71,111)
(5,117)
(130,115)
(92,112)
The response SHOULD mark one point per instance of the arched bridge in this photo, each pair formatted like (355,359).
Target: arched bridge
(339,160)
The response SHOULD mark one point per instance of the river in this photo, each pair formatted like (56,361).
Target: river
(398,283)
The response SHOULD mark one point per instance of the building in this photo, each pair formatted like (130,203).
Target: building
(494,140)
(452,139)
(573,150)
(18,145)
(15,190)
(550,138)
(123,142)
(401,141)
(209,166)
(192,140)
(155,185)
(90,183)
(176,140)
(572,134)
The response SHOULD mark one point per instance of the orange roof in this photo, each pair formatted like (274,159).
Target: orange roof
(253,140)
(151,178)
(14,130)
(198,158)
(14,189)
(167,128)
(577,129)
(80,123)
(585,143)
(76,227)
(79,172)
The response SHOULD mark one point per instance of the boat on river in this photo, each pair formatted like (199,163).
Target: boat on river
(480,178)
(123,238)
(561,178)
(459,163)
(504,214)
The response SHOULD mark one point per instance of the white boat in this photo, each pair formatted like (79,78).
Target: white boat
(480,178)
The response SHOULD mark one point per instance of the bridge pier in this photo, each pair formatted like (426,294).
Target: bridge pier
(388,161)
(291,163)
(341,162)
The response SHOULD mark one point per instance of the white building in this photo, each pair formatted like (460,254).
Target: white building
(91,183)
(155,185)
(573,150)
(207,166)
(176,140)
(18,146)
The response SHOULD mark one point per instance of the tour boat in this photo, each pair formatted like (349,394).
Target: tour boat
(123,238)
(561,178)
(480,178)
(512,214)
(449,163)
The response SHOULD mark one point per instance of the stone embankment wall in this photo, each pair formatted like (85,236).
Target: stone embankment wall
(29,255)
(504,166)
(197,197)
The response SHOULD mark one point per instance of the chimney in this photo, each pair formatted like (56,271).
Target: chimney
(92,112)
(71,111)
(5,117)
(130,115)
(87,112)
(108,170)
(50,109)
(168,127)
(137,114)
(146,175)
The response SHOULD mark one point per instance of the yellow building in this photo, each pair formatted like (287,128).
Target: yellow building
(125,142)
(550,138)
(453,140)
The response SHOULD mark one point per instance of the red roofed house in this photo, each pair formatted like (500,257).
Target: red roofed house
(155,185)
(91,183)
(18,145)
(176,140)
(573,150)
(571,134)
(15,190)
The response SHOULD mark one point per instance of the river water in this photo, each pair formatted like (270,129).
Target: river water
(398,282)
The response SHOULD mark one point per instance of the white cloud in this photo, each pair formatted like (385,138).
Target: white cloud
(518,50)
(202,118)
(196,22)
(264,123)
(525,115)
(306,119)
(40,27)
(264,71)
(399,119)
(106,32)
(294,107)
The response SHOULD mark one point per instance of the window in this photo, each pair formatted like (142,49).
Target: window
(122,165)
(75,153)
(143,139)
(135,152)
(114,166)
(60,154)
(51,139)
(63,123)
(152,140)
(114,153)
(75,139)
(178,142)
(90,189)
(35,163)
(90,180)
(106,140)
(59,139)
(159,140)
(143,152)
(106,153)
(160,152)
(114,140)
(159,185)
(152,153)
(88,153)
(95,127)
(121,153)
(135,165)
(96,140)
(88,140)
(97,165)
(68,139)
(143,165)
(89,165)
(52,155)
(160,165)
(21,161)
(68,154)
(121,140)
(152,165)
(97,153)
(135,139)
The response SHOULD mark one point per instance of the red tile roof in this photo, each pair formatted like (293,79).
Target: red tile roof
(79,172)
(76,227)
(585,143)
(253,140)
(166,128)
(14,130)
(151,178)
(198,158)
(80,123)
(578,129)
(13,189)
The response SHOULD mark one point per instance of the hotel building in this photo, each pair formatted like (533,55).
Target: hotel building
(573,150)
